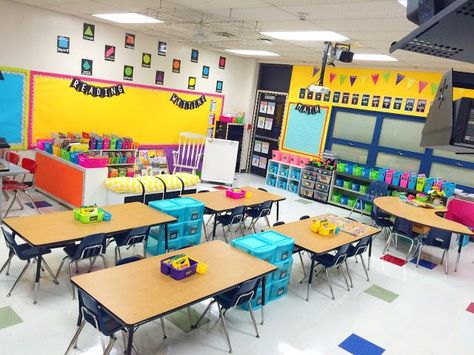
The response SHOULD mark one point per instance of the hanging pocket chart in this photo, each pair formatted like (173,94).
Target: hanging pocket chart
(304,132)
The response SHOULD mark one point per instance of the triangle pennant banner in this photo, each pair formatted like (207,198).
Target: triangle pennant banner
(315,70)
(363,79)
(342,78)
(353,79)
(400,77)
(434,88)
(332,76)
(375,78)
(410,83)
(421,86)
(386,76)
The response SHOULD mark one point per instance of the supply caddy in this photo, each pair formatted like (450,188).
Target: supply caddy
(91,214)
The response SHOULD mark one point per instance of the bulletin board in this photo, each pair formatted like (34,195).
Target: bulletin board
(14,104)
(304,133)
(142,112)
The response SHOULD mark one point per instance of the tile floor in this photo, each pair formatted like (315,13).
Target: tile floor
(402,310)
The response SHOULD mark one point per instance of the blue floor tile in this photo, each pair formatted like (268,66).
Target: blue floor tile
(39,204)
(356,345)
(425,263)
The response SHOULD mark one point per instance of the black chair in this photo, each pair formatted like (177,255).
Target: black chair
(357,250)
(403,228)
(255,213)
(207,212)
(130,259)
(437,238)
(26,253)
(381,220)
(227,220)
(131,238)
(244,293)
(376,188)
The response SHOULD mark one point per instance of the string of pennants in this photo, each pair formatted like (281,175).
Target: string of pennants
(188,105)
(308,109)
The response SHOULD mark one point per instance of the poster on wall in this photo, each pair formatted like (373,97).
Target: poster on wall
(421,106)
(262,163)
(327,96)
(317,97)
(261,122)
(255,160)
(159,77)
(302,93)
(191,83)
(265,147)
(63,44)
(194,56)
(409,105)
(146,60)
(355,99)
(263,107)
(86,66)
(219,86)
(268,123)
(271,108)
(176,66)
(128,72)
(162,48)
(387,101)
(109,53)
(397,104)
(205,72)
(88,32)
(365,100)
(309,96)
(376,101)
(258,146)
(129,41)
(222,61)
(336,97)
(345,98)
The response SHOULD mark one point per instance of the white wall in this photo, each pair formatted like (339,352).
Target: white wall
(29,42)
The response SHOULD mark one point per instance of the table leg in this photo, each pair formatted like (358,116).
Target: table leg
(263,282)
(310,278)
(459,253)
(166,237)
(130,340)
(37,278)
(214,227)
(1,199)
(278,211)
(370,254)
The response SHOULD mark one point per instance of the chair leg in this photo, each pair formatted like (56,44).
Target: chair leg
(32,202)
(348,273)
(15,196)
(203,314)
(224,326)
(268,222)
(60,267)
(103,260)
(412,243)
(7,263)
(387,244)
(447,262)
(70,277)
(19,278)
(352,209)
(302,264)
(205,230)
(163,327)
(365,268)
(242,230)
(341,269)
(50,272)
(225,234)
(109,347)
(253,318)
(116,254)
(73,343)
(329,282)
(419,255)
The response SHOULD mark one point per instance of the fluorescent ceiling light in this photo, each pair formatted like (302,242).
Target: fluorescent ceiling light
(128,18)
(402,2)
(374,57)
(316,36)
(253,52)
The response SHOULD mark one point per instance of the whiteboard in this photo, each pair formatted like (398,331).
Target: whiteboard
(220,157)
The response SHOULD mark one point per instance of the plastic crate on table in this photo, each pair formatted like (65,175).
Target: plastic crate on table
(279,289)
(257,300)
(283,244)
(255,246)
(193,209)
(283,271)
(169,207)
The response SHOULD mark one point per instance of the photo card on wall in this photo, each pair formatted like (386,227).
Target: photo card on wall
(355,99)
(387,101)
(397,104)
(345,98)
(365,100)
(375,101)
(309,96)
(327,96)
(336,96)
(302,93)
(421,106)
(318,95)
(409,105)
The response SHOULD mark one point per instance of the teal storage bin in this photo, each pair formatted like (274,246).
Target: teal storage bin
(156,245)
(257,300)
(175,231)
(255,246)
(190,240)
(279,289)
(192,227)
(169,207)
(194,209)
(283,271)
(284,245)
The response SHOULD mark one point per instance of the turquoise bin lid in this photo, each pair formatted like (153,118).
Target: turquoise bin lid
(188,202)
(253,244)
(276,238)
(165,205)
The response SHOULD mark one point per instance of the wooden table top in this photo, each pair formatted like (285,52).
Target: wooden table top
(419,215)
(315,243)
(138,291)
(219,202)
(59,227)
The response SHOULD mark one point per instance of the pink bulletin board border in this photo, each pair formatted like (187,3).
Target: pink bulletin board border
(33,75)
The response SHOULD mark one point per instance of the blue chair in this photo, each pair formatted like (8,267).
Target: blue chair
(328,261)
(255,213)
(227,220)
(128,260)
(357,250)
(24,252)
(437,238)
(131,238)
(376,188)
(90,248)
(244,293)
(403,228)
(382,220)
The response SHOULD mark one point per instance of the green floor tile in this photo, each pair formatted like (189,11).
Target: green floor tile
(181,320)
(382,293)
(303,201)
(8,317)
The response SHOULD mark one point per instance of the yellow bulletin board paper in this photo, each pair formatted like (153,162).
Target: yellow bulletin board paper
(144,113)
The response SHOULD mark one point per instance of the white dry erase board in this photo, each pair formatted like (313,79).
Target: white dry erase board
(220,157)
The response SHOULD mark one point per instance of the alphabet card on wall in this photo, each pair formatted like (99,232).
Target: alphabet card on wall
(129,40)
(88,32)
(63,44)
(109,53)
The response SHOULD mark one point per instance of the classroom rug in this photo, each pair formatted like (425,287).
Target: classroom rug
(8,317)
(424,263)
(382,293)
(39,204)
(181,320)
(393,259)
(359,346)
(303,201)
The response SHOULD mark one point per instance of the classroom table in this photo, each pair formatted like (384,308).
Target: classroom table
(15,170)
(315,243)
(218,202)
(137,293)
(56,229)
(423,218)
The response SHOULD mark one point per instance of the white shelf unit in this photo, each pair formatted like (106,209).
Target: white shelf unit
(283,175)
(106,151)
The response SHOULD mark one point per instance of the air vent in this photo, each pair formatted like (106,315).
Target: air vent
(430,48)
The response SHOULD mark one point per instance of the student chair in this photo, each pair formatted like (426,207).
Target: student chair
(13,158)
(328,261)
(130,239)
(376,188)
(382,220)
(207,212)
(358,250)
(244,293)
(403,228)
(26,253)
(236,216)
(255,213)
(89,248)
(437,238)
